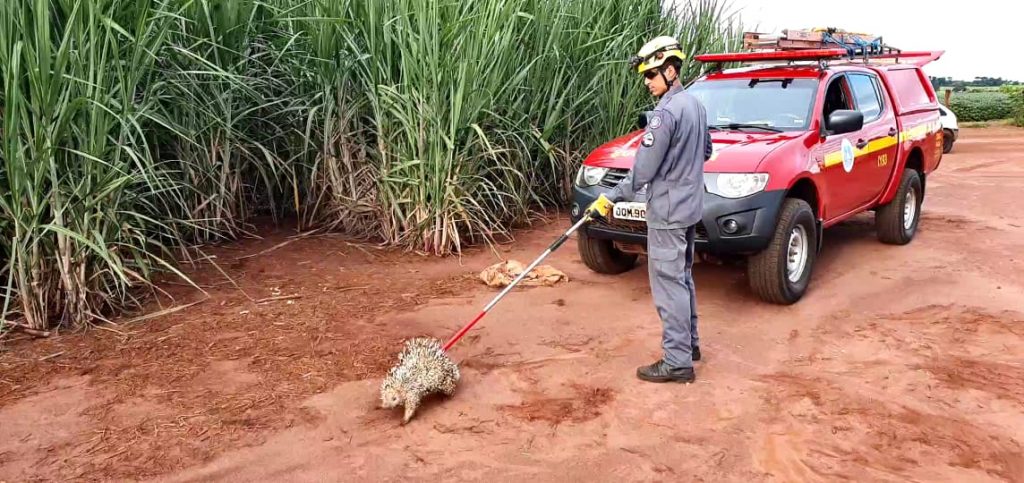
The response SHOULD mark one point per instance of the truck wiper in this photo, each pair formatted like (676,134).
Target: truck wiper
(737,125)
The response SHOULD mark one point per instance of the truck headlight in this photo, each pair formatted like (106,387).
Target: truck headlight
(590,176)
(735,185)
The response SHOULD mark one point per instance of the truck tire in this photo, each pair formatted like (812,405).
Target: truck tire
(781,272)
(947,141)
(601,256)
(896,222)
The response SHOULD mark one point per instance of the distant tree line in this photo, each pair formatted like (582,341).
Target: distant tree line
(962,85)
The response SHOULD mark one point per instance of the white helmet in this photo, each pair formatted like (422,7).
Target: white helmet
(654,53)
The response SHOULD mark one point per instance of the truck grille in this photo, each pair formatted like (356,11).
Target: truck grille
(626,225)
(613,177)
(702,233)
(640,227)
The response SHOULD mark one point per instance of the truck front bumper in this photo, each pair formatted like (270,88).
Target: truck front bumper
(728,226)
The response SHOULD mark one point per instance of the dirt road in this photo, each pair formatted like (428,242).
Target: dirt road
(902,363)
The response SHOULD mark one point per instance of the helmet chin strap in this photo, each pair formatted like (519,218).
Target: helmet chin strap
(668,83)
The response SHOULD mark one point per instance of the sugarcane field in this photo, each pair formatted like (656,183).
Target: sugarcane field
(510,240)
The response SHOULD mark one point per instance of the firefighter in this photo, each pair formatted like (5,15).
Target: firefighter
(670,165)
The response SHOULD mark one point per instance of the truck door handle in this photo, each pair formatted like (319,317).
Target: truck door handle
(892,131)
(861,143)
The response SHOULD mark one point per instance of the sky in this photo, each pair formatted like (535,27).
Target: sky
(976,35)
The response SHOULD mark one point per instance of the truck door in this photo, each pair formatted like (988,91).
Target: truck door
(876,144)
(836,154)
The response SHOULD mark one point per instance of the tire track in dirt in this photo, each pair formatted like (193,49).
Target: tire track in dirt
(845,435)
(1003,380)
(889,396)
(583,404)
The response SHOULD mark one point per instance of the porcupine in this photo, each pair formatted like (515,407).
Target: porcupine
(423,368)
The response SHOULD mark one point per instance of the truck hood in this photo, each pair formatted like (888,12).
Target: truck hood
(735,152)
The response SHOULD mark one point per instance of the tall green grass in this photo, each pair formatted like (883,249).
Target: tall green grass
(133,129)
(475,112)
(83,200)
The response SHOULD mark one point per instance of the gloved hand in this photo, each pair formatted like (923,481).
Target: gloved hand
(600,208)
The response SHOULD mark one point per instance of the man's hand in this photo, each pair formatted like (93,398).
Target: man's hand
(600,208)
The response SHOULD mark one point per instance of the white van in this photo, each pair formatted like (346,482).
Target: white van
(950,129)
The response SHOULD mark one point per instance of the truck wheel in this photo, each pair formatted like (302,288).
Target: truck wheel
(781,272)
(896,222)
(601,256)
(947,141)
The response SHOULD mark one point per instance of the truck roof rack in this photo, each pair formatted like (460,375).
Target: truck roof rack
(836,55)
(818,46)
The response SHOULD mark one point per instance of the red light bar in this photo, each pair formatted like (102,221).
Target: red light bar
(809,54)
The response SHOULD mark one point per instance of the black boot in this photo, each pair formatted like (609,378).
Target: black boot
(661,372)
(696,353)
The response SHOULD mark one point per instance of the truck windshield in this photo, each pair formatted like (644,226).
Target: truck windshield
(747,104)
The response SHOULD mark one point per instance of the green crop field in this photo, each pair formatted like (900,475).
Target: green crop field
(981,106)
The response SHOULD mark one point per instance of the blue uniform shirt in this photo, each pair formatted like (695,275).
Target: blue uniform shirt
(670,162)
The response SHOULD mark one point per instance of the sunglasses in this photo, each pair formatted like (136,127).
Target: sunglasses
(651,74)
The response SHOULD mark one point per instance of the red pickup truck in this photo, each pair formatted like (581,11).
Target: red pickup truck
(797,148)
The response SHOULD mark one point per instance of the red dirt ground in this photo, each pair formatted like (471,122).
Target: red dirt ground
(901,363)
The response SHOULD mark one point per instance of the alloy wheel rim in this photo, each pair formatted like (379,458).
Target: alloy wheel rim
(796,254)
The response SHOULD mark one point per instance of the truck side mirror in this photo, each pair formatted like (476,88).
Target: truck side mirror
(641,119)
(842,121)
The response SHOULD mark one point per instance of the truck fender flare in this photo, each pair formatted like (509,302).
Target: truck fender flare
(817,203)
(897,175)
(819,225)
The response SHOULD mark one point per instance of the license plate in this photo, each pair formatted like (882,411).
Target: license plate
(630,211)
